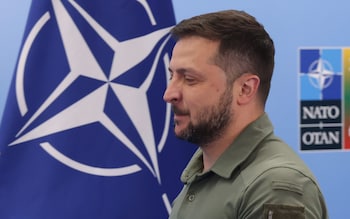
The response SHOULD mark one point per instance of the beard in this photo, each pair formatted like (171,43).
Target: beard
(211,122)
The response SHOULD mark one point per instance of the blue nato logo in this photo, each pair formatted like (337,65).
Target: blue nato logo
(320,90)
(101,103)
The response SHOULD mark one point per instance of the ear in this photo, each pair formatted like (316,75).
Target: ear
(248,85)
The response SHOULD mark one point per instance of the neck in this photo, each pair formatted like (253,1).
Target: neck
(213,150)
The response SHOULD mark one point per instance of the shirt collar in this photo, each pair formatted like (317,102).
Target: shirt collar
(235,154)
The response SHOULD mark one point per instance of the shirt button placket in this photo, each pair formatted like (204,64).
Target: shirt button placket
(191,197)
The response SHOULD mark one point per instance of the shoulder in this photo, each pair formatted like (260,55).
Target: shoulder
(276,176)
(274,165)
(274,158)
(282,188)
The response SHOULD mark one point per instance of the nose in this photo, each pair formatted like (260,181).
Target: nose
(172,93)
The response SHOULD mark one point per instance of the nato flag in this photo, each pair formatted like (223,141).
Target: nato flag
(85,132)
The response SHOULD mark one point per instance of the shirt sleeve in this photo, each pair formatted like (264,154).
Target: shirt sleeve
(282,192)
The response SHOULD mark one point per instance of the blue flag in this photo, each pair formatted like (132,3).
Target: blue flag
(85,132)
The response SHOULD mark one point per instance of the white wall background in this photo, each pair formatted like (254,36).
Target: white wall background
(292,24)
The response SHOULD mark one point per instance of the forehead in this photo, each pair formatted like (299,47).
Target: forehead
(195,56)
(195,48)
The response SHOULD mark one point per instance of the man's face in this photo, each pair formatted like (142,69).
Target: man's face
(198,91)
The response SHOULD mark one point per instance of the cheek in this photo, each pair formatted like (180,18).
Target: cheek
(198,109)
(197,100)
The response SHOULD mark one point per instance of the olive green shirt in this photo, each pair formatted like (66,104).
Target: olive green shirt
(258,176)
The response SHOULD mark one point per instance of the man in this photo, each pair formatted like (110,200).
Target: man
(221,70)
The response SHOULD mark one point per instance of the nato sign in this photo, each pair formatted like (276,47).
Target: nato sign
(86,133)
(324,79)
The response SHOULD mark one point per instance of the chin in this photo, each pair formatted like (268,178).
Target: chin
(178,131)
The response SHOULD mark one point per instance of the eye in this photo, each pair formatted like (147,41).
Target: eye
(189,79)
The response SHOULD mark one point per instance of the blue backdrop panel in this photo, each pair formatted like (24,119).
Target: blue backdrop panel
(294,25)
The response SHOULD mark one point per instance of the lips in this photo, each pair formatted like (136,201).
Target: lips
(179,112)
(179,115)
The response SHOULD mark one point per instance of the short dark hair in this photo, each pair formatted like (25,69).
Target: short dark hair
(244,47)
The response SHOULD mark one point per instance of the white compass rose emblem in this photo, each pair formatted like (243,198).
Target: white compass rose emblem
(320,74)
(90,108)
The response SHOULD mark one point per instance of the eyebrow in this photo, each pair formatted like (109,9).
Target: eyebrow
(180,70)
